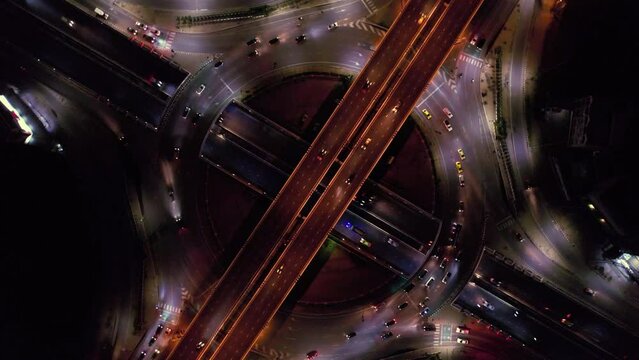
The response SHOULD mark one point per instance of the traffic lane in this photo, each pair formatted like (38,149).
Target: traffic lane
(268,138)
(556,306)
(285,26)
(271,227)
(106,41)
(93,74)
(401,256)
(525,327)
(201,5)
(270,295)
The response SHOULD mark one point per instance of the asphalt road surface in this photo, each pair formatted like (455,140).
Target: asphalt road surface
(344,185)
(260,246)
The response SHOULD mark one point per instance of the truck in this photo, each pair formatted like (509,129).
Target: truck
(99,12)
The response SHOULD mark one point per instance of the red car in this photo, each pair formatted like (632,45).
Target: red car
(312,354)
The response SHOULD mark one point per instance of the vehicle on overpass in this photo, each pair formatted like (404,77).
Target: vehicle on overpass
(99,12)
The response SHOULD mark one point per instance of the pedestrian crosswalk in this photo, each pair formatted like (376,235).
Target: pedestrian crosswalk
(369,5)
(363,25)
(168,308)
(471,60)
(505,223)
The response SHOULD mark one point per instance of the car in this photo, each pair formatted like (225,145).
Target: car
(200,345)
(473,41)
(438,252)
(516,313)
(519,237)
(332,26)
(429,327)
(351,334)
(461,206)
(495,282)
(589,291)
(274,40)
(390,323)
(176,152)
(422,16)
(218,64)
(153,340)
(141,25)
(392,242)
(349,180)
(446,277)
(168,330)
(402,306)
(196,119)
(99,12)
(253,53)
(395,108)
(462,341)
(159,329)
(159,84)
(142,355)
(455,229)
(279,270)
(365,242)
(321,154)
(462,330)
(461,180)
(458,165)
(348,225)
(365,144)
(424,312)
(447,125)
(444,263)
(155,354)
(448,113)
(156,32)
(487,305)
(253,41)
(186,111)
(409,287)
(458,254)
(430,281)
(149,38)
(69,22)
(462,156)
(386,335)
(200,89)
(566,321)
(132,30)
(422,273)
(301,38)
(427,114)
(312,354)
(424,302)
(368,84)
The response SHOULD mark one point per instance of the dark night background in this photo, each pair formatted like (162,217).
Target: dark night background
(48,258)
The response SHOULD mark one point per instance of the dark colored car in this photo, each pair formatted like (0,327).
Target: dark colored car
(186,111)
(218,63)
(301,38)
(409,287)
(153,340)
(160,327)
(387,334)
(253,41)
(196,119)
(351,334)
(422,273)
(274,40)
(402,306)
(390,323)
(519,237)
(253,53)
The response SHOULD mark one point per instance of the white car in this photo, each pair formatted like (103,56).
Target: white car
(462,341)
(332,26)
(448,113)
(200,89)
